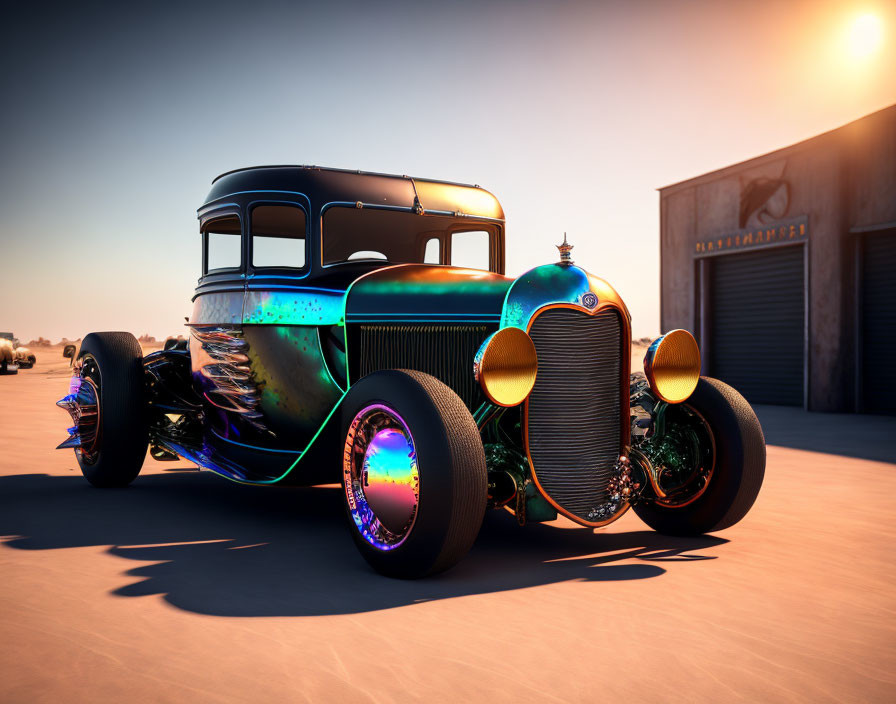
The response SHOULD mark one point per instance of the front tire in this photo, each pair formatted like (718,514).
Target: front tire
(414,474)
(738,472)
(113,363)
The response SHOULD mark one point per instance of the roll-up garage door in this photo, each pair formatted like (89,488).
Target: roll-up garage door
(879,323)
(757,323)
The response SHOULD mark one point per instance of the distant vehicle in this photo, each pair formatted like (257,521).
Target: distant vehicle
(358,328)
(23,357)
(7,354)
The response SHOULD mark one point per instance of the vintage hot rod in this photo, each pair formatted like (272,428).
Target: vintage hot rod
(12,356)
(358,328)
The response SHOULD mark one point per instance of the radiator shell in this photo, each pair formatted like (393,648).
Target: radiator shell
(576,420)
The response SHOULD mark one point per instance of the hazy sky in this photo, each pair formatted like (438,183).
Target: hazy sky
(116,118)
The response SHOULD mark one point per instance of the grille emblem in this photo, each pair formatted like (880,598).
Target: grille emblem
(589,300)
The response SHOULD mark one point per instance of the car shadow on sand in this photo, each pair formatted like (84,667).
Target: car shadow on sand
(218,548)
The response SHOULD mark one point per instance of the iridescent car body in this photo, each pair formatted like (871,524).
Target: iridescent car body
(313,279)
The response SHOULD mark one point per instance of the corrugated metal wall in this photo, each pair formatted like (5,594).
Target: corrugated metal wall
(879,322)
(757,323)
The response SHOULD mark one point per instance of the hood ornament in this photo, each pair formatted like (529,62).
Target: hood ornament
(565,249)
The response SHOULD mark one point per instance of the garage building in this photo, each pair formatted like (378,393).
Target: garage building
(784,266)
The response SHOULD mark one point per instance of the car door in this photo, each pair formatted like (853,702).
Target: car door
(286,319)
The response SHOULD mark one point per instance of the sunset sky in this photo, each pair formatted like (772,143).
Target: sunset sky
(116,119)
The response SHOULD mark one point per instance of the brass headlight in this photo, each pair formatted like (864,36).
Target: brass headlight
(672,366)
(505,366)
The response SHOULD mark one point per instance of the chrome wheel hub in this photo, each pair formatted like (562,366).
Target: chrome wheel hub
(381,478)
(82,403)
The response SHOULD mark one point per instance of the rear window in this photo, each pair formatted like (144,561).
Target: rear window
(433,252)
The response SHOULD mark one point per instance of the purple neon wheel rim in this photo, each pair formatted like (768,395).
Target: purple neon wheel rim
(381,477)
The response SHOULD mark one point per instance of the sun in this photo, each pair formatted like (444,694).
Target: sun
(866,34)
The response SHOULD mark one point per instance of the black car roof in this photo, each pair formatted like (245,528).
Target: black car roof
(323,185)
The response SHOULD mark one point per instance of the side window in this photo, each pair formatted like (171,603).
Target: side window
(222,243)
(278,236)
(431,254)
(470,249)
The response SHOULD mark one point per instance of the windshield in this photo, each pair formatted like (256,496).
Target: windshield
(402,237)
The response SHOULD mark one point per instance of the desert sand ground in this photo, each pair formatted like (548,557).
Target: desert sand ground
(185,587)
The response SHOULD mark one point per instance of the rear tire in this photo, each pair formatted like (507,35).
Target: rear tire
(448,469)
(739,466)
(123,431)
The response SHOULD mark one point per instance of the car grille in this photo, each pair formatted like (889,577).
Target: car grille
(574,411)
(443,351)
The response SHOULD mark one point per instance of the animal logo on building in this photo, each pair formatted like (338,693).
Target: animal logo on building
(763,200)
